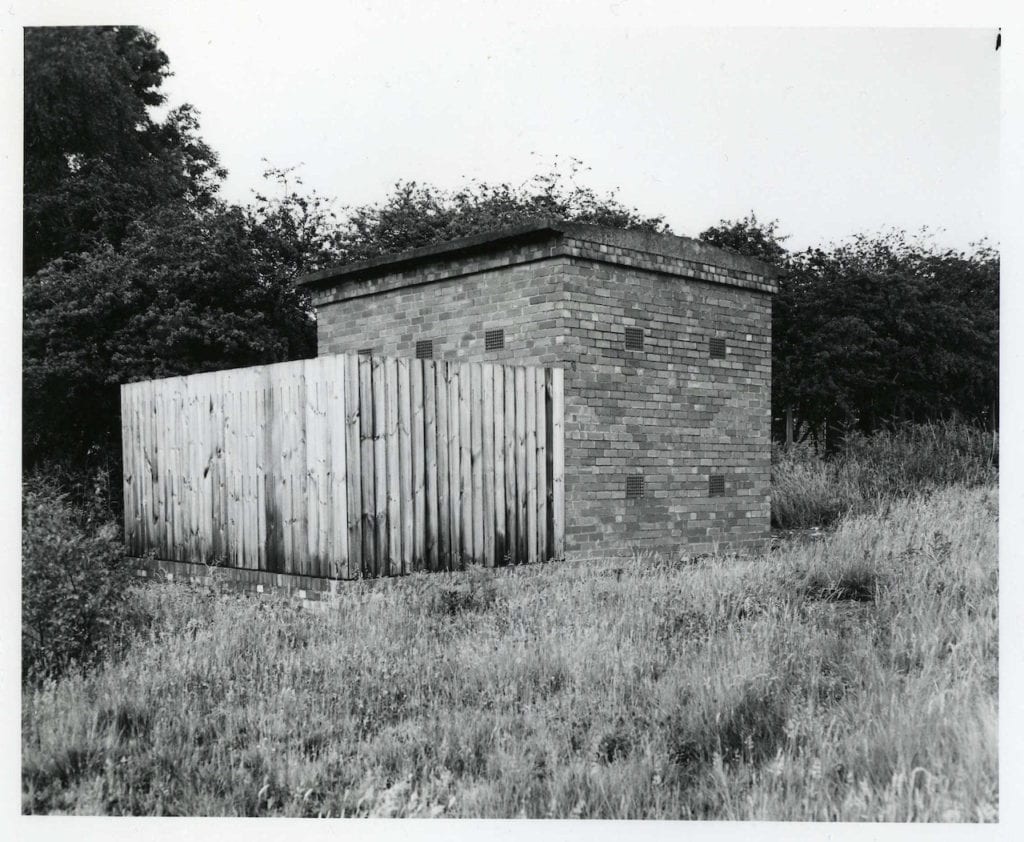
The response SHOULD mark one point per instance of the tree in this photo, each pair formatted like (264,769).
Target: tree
(134,267)
(418,215)
(883,328)
(184,293)
(95,159)
(888,328)
(749,237)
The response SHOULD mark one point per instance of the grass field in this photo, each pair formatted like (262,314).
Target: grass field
(851,678)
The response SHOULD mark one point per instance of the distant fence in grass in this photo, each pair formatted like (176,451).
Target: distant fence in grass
(346,466)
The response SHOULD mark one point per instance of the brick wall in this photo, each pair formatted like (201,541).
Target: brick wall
(669,412)
(453,303)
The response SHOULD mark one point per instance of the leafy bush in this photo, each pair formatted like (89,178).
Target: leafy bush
(74,581)
(808,490)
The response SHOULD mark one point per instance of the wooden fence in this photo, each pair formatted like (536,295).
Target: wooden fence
(346,466)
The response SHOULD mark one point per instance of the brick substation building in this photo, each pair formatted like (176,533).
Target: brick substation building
(665,344)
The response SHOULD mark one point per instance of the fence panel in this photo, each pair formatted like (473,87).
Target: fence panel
(346,466)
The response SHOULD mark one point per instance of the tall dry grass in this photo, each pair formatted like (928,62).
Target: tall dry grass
(853,678)
(870,471)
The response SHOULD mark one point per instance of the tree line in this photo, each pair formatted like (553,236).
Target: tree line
(135,266)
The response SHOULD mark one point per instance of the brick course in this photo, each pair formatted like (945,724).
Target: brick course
(565,297)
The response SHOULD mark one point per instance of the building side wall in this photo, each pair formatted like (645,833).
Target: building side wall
(526,300)
(669,412)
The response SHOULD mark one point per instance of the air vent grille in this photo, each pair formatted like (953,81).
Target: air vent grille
(494,340)
(716,485)
(634,338)
(425,349)
(634,487)
(716,348)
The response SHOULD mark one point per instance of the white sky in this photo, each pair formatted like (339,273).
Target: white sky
(831,131)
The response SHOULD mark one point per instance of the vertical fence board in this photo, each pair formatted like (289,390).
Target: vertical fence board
(316,500)
(557,462)
(255,470)
(311,472)
(243,425)
(443,497)
(225,443)
(511,510)
(251,504)
(216,447)
(280,474)
(369,566)
(394,495)
(500,546)
(249,489)
(142,469)
(353,446)
(300,500)
(126,473)
(380,470)
(152,461)
(465,464)
(530,462)
(454,467)
(476,469)
(430,469)
(543,435)
(290,435)
(159,503)
(264,467)
(522,552)
(275,481)
(487,462)
(139,509)
(419,491)
(336,378)
(228,493)
(173,472)
(405,462)
(193,467)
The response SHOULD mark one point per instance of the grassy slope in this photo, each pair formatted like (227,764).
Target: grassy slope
(854,678)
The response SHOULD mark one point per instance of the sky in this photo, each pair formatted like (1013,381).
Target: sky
(831,131)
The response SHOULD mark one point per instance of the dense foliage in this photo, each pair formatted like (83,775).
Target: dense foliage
(74,582)
(417,214)
(95,158)
(134,268)
(182,294)
(876,330)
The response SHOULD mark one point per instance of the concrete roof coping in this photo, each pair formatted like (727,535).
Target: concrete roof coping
(669,245)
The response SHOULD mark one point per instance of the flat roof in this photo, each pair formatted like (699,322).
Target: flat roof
(669,245)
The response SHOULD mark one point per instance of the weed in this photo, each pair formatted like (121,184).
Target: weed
(811,683)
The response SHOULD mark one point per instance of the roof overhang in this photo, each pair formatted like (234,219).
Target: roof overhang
(668,245)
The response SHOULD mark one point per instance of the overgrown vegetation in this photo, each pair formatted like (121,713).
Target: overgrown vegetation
(881,328)
(853,678)
(74,580)
(869,471)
